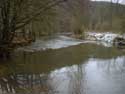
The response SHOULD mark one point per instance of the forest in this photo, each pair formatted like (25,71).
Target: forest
(62,47)
(22,21)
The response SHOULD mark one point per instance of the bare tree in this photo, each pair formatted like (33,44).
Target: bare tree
(16,14)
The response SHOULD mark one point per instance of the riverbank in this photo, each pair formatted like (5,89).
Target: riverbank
(64,40)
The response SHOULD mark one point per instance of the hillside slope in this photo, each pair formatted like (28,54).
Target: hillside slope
(106,16)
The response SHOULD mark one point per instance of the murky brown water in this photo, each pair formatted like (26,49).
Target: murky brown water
(80,69)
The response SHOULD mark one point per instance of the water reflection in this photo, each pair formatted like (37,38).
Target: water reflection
(81,69)
(95,76)
(25,84)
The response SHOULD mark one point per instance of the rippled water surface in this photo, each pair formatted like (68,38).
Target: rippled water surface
(67,66)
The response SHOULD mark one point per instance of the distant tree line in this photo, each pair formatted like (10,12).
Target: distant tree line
(107,16)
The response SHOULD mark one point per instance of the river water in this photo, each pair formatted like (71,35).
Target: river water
(62,65)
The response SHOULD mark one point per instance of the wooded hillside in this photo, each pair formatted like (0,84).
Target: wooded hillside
(107,16)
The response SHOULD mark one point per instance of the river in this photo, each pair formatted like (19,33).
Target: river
(63,65)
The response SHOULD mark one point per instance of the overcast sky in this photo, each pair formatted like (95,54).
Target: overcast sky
(120,1)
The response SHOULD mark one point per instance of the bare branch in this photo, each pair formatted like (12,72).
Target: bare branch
(38,13)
